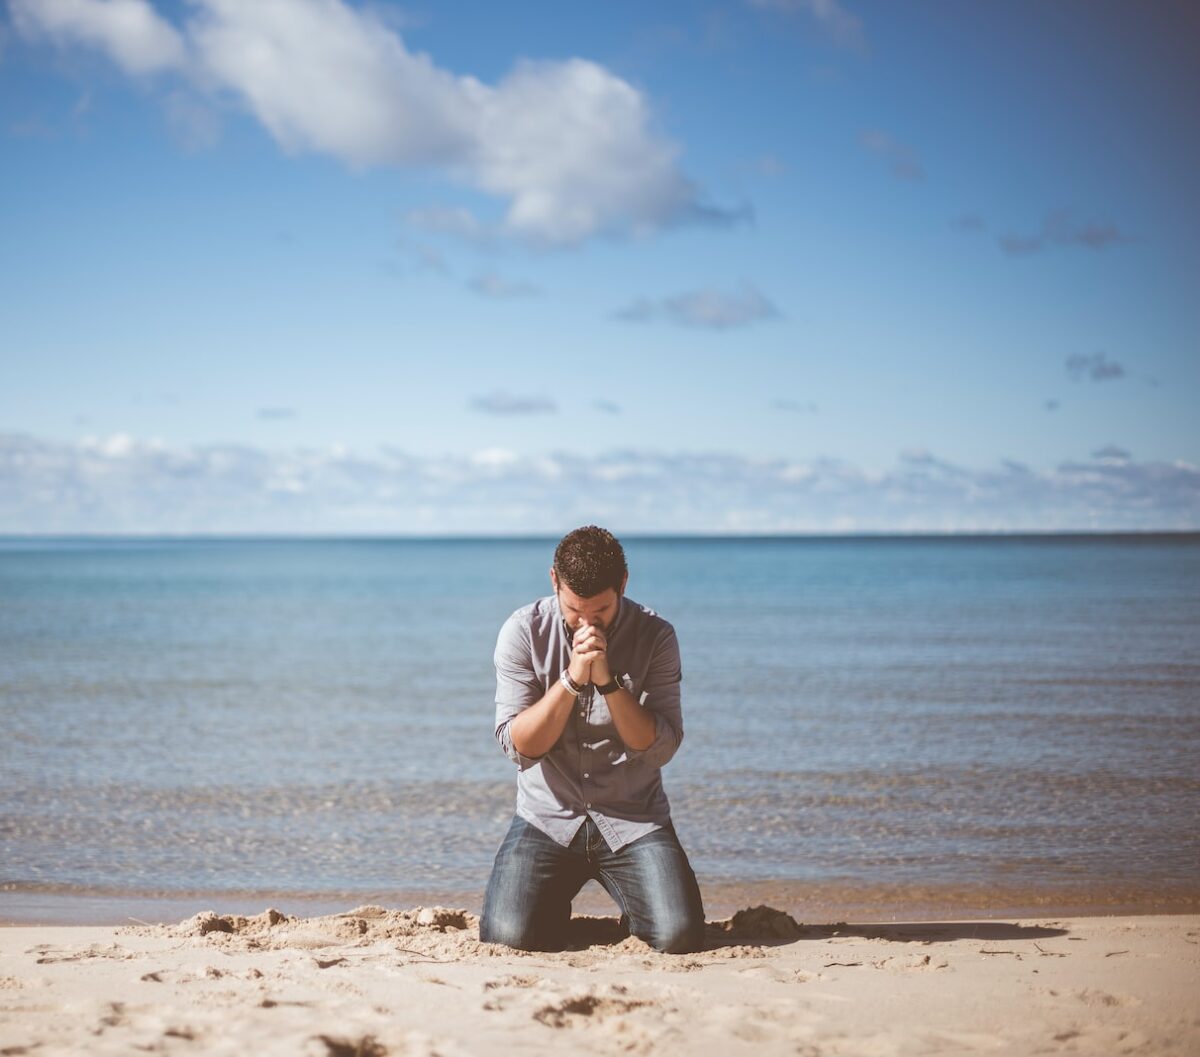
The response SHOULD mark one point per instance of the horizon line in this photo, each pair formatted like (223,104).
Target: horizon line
(540,537)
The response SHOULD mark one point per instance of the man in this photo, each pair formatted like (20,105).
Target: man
(587,707)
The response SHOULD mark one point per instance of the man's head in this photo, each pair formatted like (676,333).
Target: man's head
(589,575)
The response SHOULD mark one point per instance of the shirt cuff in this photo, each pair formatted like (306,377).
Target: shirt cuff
(663,736)
(522,761)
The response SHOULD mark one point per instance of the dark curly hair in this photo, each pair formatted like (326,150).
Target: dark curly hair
(590,560)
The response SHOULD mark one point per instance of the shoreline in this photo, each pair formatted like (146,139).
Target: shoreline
(70,906)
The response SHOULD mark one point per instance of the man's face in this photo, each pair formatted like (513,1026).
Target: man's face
(600,610)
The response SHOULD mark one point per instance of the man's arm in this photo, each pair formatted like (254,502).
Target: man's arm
(651,730)
(527,726)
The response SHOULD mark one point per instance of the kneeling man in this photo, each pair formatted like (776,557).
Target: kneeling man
(588,708)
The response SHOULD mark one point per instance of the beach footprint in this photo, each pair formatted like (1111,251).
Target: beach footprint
(48,954)
(635,1020)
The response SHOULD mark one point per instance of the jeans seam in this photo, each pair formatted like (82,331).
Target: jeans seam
(624,902)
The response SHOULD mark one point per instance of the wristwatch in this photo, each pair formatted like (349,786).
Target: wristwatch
(612,686)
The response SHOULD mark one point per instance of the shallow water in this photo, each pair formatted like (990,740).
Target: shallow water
(315,717)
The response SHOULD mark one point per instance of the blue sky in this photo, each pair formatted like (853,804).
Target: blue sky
(768,265)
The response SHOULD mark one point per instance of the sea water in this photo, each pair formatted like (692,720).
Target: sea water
(315,717)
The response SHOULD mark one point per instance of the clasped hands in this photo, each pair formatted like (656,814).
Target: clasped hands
(589,656)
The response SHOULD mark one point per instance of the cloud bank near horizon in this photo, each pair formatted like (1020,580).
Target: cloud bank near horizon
(121,484)
(569,147)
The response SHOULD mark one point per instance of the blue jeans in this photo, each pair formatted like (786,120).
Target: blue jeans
(534,879)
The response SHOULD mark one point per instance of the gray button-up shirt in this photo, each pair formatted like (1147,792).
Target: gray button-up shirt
(590,770)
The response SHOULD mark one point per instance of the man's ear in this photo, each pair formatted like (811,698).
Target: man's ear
(624,581)
(554,579)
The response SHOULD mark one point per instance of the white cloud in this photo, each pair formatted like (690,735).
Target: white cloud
(500,403)
(568,146)
(1098,367)
(494,458)
(1060,228)
(494,285)
(121,484)
(711,308)
(969,222)
(130,32)
(905,164)
(844,27)
(325,77)
(195,125)
(450,220)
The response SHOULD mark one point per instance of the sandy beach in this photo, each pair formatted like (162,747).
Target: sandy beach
(374,981)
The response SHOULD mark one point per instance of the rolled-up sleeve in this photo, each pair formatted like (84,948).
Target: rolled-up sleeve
(661,697)
(517,685)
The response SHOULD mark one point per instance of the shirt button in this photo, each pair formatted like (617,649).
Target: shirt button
(588,805)
(586,775)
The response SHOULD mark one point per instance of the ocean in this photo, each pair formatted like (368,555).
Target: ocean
(885,724)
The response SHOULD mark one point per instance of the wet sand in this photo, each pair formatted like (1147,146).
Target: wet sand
(373,981)
(57,904)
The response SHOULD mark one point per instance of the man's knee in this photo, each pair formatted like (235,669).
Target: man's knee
(508,931)
(677,935)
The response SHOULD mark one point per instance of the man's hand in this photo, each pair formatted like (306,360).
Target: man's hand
(590,650)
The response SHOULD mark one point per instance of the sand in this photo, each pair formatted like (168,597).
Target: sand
(373,981)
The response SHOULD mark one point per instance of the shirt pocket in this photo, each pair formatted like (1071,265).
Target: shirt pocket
(634,686)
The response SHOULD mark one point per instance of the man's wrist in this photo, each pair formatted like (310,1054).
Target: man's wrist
(608,686)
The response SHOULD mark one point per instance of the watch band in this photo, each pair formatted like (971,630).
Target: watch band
(611,687)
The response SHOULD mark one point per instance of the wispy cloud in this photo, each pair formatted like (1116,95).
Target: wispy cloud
(1020,245)
(796,407)
(918,460)
(131,32)
(193,122)
(568,147)
(1050,405)
(493,285)
(710,308)
(843,26)
(451,220)
(607,406)
(122,484)
(1061,229)
(500,403)
(969,222)
(900,158)
(431,259)
(1111,451)
(768,165)
(1098,367)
